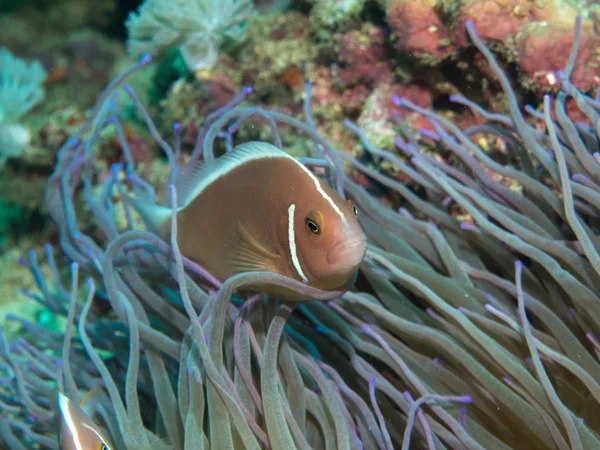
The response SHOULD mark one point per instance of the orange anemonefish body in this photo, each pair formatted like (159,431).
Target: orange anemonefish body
(77,431)
(258,209)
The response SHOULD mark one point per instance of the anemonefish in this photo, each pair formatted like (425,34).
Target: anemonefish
(77,431)
(257,208)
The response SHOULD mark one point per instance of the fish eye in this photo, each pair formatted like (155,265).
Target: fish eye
(352,207)
(312,227)
(314,222)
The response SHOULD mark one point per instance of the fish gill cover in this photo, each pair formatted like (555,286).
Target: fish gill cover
(478,334)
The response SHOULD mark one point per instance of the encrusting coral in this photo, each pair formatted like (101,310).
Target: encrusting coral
(477,334)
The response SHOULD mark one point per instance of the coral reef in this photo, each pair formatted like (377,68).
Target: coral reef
(472,324)
(35,21)
(199,28)
(336,14)
(537,35)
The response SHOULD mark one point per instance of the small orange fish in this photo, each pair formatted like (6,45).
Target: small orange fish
(258,209)
(77,430)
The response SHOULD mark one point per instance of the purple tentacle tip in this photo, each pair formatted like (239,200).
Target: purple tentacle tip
(372,380)
(469,23)
(394,98)
(437,360)
(145,58)
(461,309)
(518,264)
(582,420)
(89,282)
(74,266)
(206,338)
(248,90)
(176,126)
(366,328)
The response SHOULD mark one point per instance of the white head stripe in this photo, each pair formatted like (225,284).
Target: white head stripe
(64,407)
(321,191)
(292,241)
(96,432)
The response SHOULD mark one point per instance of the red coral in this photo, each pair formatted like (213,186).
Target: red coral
(544,50)
(364,57)
(415,93)
(221,90)
(496,21)
(419,29)
(353,99)
(366,46)
(322,89)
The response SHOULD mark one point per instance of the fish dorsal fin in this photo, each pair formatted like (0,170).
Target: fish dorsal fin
(90,399)
(198,175)
(249,255)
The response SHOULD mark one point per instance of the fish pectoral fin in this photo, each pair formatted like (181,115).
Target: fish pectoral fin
(249,255)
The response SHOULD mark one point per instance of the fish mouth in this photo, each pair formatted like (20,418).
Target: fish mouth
(348,252)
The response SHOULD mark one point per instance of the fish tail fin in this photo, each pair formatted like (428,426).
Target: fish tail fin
(155,217)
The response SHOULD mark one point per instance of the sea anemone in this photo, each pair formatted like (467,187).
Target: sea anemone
(472,325)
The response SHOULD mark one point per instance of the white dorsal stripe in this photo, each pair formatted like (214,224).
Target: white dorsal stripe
(292,241)
(64,404)
(326,197)
(96,432)
(199,175)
